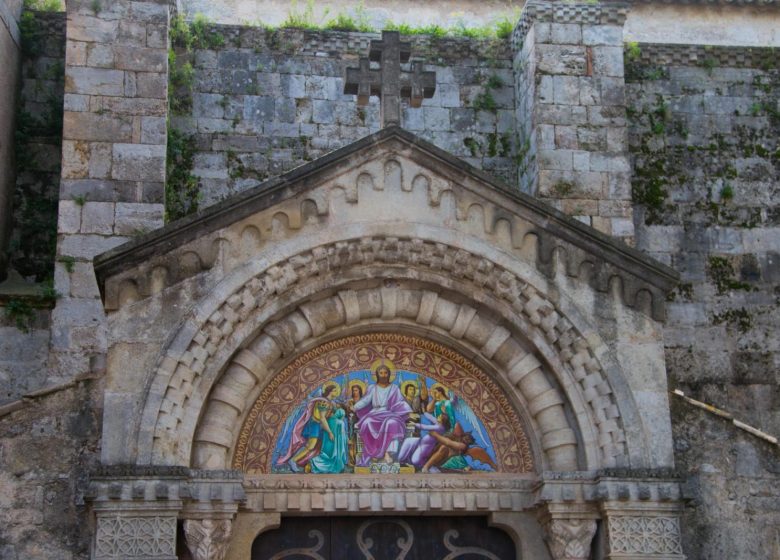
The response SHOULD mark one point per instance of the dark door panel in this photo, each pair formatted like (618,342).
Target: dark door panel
(384,538)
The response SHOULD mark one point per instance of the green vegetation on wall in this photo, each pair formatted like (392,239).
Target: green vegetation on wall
(182,192)
(44,5)
(357,19)
(37,145)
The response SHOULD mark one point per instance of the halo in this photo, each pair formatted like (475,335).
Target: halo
(357,382)
(406,384)
(335,393)
(437,385)
(383,362)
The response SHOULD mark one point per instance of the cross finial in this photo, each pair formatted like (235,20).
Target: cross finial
(390,83)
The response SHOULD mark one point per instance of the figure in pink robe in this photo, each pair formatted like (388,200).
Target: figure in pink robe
(417,450)
(382,414)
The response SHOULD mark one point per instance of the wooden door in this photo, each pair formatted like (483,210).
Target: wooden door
(384,538)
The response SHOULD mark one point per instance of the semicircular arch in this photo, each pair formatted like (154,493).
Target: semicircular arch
(238,309)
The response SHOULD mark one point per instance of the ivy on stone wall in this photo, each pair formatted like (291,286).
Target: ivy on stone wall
(182,191)
(38,144)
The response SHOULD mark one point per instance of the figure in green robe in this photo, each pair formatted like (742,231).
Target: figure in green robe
(333,454)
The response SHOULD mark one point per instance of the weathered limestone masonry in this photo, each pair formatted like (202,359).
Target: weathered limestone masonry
(38,147)
(23,355)
(687,135)
(705,146)
(10,52)
(271,100)
(571,111)
(114,139)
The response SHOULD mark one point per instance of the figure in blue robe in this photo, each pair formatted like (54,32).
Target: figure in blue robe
(333,453)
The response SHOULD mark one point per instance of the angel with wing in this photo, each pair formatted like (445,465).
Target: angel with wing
(458,450)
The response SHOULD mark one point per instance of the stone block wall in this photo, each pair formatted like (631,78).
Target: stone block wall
(571,112)
(705,147)
(270,100)
(24,314)
(38,146)
(46,451)
(10,52)
(113,149)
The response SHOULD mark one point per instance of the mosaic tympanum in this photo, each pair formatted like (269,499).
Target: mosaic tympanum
(382,403)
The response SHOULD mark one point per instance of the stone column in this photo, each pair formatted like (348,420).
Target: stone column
(114,144)
(208,515)
(136,511)
(643,531)
(570,529)
(572,111)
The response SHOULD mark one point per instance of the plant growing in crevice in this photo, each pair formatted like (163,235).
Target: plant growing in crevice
(632,52)
(737,318)
(47,293)
(44,5)
(184,37)
(68,262)
(484,101)
(21,310)
(20,313)
(722,273)
(181,79)
(301,19)
(349,22)
(472,145)
(182,191)
(562,188)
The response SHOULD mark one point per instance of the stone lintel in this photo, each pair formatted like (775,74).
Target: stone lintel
(132,487)
(388,494)
(617,485)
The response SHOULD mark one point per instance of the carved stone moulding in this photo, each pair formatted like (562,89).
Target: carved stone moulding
(132,486)
(647,485)
(135,536)
(643,530)
(389,494)
(656,537)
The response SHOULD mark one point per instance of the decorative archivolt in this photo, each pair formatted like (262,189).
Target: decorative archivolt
(503,311)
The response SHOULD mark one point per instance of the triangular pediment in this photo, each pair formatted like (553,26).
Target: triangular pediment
(395,177)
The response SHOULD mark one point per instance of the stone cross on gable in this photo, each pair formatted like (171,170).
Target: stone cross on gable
(389,82)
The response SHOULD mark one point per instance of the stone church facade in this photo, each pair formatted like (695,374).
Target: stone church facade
(558,229)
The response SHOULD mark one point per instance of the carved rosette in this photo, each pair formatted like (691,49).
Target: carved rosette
(570,539)
(208,539)
(645,536)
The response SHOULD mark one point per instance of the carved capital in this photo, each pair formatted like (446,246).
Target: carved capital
(208,539)
(569,539)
